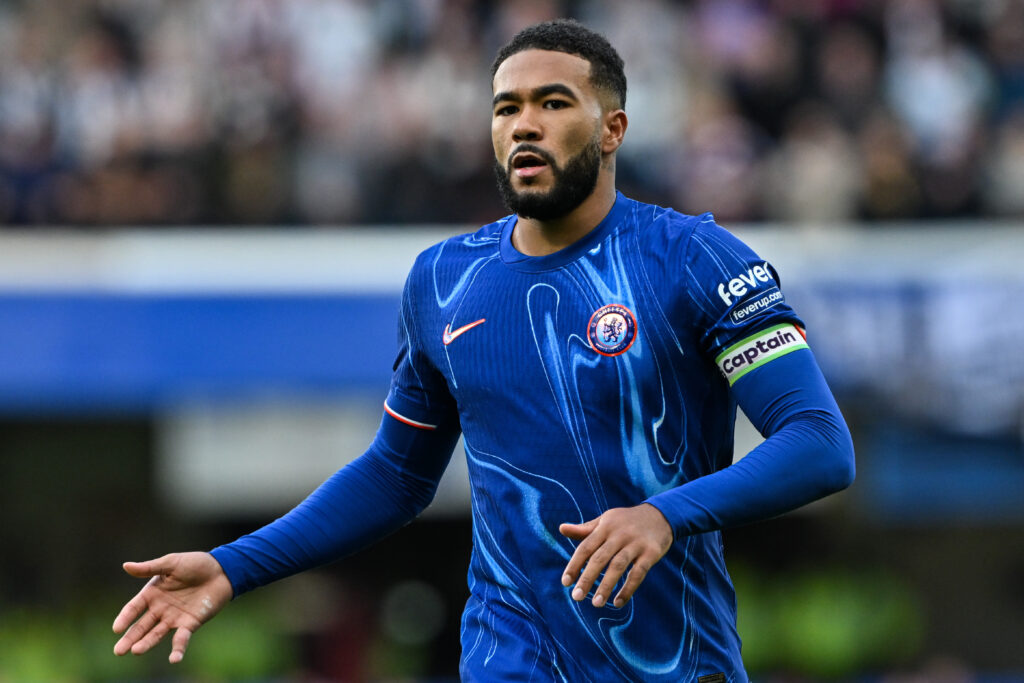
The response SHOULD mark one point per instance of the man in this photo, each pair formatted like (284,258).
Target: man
(592,350)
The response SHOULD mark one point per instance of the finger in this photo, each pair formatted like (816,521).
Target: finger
(572,570)
(179,644)
(578,532)
(595,565)
(123,646)
(155,635)
(637,573)
(143,570)
(129,613)
(616,568)
(579,558)
(138,630)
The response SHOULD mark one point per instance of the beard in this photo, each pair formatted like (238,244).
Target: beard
(572,184)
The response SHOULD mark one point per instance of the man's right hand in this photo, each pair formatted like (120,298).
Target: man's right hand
(185,590)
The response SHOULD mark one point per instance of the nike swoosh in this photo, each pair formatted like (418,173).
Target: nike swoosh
(449,334)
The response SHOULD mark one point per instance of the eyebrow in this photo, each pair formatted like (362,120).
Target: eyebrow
(536,94)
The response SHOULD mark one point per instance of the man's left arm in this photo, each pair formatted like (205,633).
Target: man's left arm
(807,454)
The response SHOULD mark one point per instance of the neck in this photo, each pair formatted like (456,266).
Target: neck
(539,238)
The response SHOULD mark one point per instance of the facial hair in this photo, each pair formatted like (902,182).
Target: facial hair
(572,184)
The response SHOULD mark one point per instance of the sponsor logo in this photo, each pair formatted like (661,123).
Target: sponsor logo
(449,335)
(611,330)
(754,306)
(758,349)
(740,285)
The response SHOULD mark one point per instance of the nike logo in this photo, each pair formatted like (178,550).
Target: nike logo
(449,334)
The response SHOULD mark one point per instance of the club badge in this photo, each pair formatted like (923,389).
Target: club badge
(611,330)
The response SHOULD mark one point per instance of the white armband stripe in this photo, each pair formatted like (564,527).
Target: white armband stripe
(758,349)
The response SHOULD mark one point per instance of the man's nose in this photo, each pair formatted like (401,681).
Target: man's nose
(527,127)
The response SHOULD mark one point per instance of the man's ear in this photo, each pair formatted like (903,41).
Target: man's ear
(615,124)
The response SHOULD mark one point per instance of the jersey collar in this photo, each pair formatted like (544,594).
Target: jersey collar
(535,264)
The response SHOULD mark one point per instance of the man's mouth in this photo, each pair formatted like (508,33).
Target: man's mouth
(528,164)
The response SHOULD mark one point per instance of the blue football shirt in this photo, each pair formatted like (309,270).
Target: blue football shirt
(592,378)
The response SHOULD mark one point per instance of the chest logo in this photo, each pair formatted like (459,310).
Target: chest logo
(449,334)
(611,330)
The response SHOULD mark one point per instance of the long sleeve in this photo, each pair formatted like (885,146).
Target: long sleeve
(373,496)
(808,452)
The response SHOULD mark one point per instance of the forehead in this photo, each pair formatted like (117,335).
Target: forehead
(533,68)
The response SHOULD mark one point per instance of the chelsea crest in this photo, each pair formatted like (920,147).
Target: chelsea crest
(611,330)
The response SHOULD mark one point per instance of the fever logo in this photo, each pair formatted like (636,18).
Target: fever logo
(611,330)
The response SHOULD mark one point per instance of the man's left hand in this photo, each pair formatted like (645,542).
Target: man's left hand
(621,539)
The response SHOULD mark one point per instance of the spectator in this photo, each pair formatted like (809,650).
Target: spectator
(351,111)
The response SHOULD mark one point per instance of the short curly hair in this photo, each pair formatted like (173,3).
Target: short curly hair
(569,36)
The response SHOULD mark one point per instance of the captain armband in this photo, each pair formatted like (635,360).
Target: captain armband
(758,349)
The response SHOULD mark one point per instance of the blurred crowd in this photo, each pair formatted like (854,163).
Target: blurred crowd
(293,112)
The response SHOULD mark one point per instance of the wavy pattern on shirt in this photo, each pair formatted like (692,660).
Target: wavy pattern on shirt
(603,277)
(556,431)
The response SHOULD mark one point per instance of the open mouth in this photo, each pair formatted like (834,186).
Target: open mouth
(528,164)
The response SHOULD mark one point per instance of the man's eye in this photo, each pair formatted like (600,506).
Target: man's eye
(556,104)
(505,111)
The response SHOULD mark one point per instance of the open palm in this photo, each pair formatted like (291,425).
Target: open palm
(184,591)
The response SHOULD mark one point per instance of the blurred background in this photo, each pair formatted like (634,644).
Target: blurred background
(207,210)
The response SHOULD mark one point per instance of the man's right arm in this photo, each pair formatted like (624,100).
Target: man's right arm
(374,495)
